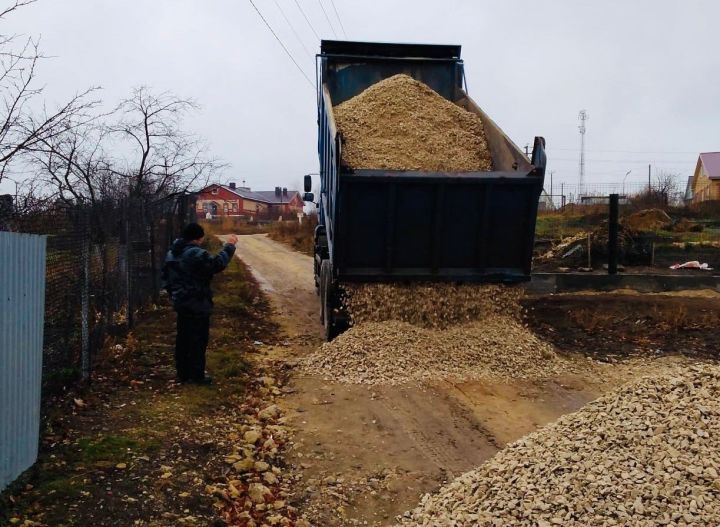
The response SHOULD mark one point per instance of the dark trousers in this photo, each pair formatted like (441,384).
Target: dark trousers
(193,332)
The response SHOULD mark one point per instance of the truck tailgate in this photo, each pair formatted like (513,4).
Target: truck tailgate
(475,226)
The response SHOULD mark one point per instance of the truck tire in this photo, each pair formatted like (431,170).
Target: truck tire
(321,290)
(327,301)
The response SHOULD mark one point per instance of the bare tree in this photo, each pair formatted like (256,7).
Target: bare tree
(164,159)
(15,5)
(668,183)
(75,167)
(665,192)
(21,128)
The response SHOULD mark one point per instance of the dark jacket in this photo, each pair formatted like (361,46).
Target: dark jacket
(187,273)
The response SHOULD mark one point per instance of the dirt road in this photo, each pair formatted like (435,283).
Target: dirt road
(368,453)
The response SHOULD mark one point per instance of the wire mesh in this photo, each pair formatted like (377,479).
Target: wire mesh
(102,266)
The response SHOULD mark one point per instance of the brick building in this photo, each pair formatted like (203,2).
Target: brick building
(231,200)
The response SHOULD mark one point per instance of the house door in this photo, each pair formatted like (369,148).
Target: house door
(214,209)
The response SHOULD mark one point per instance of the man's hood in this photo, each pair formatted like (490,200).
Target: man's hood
(178,246)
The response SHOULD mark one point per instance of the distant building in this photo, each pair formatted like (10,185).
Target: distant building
(231,200)
(688,197)
(706,179)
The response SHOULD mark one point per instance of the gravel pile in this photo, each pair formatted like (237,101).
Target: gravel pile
(430,305)
(646,455)
(393,352)
(402,124)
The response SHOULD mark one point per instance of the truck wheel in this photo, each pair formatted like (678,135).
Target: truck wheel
(321,290)
(327,301)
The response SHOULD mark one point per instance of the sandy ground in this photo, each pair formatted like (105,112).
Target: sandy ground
(367,454)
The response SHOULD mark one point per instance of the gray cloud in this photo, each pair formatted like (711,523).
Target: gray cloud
(647,71)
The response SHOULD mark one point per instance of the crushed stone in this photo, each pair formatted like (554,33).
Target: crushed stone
(432,305)
(400,123)
(647,454)
(394,352)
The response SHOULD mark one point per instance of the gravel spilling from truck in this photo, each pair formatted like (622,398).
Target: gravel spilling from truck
(423,332)
(437,305)
(647,454)
(402,124)
(394,352)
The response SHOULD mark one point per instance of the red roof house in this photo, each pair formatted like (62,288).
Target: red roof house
(230,200)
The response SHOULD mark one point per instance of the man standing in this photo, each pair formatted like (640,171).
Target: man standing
(187,273)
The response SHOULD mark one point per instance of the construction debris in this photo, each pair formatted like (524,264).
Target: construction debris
(393,352)
(435,305)
(693,264)
(646,455)
(567,246)
(402,124)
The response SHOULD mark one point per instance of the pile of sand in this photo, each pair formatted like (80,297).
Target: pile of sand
(402,124)
(646,220)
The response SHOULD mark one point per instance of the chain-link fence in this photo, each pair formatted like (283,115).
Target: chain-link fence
(103,265)
(561,194)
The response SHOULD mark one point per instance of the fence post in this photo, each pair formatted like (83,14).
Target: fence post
(613,233)
(85,304)
(128,263)
(150,217)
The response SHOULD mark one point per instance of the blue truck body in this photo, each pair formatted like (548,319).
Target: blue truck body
(404,226)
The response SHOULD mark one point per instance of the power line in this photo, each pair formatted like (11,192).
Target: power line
(283,45)
(307,20)
(332,2)
(292,28)
(624,151)
(645,161)
(327,18)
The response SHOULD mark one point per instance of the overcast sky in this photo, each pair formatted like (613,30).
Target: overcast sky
(646,71)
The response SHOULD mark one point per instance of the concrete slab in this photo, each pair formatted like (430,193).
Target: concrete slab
(547,283)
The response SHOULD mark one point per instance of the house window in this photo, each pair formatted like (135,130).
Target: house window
(214,191)
(205,207)
(234,207)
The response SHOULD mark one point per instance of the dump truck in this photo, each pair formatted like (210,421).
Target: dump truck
(378,225)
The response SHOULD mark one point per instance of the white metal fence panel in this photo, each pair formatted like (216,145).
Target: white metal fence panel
(22,309)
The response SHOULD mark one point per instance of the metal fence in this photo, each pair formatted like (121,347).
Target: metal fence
(102,265)
(561,194)
(22,291)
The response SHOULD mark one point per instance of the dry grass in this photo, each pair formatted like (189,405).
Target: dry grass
(671,319)
(298,236)
(229,225)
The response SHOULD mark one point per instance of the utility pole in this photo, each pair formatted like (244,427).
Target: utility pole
(527,153)
(649,179)
(552,198)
